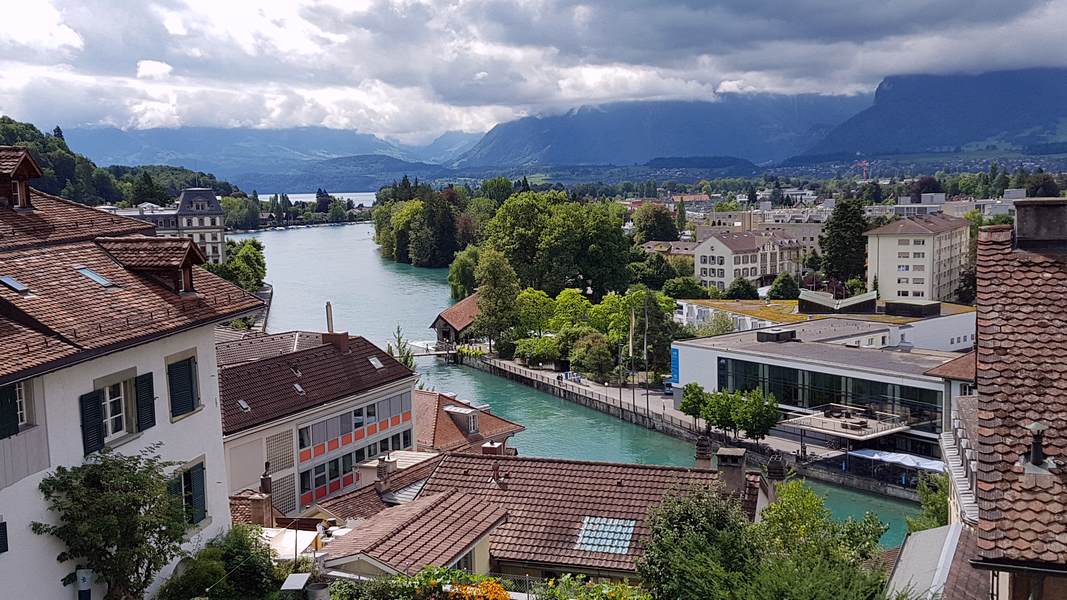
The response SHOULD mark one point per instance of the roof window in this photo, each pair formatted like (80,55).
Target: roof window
(14,284)
(97,277)
(375,362)
(601,534)
(244,406)
(299,389)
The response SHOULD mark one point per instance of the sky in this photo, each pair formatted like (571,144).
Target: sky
(409,70)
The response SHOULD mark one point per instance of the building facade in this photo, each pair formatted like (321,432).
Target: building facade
(756,256)
(918,257)
(197,215)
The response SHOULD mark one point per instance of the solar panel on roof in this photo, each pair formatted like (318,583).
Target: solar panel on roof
(601,534)
(14,284)
(97,277)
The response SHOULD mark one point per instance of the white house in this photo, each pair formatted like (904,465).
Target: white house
(918,257)
(106,340)
(756,256)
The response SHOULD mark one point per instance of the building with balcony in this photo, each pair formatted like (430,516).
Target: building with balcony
(918,257)
(197,215)
(106,341)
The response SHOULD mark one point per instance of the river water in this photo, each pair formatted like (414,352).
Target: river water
(371,296)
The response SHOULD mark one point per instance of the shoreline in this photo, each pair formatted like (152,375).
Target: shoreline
(301,226)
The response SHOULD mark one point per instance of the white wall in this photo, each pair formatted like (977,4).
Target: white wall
(29,569)
(950,333)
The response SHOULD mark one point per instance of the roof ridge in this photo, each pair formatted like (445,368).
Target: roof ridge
(571,461)
(438,499)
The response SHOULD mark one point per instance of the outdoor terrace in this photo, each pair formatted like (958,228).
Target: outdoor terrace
(849,422)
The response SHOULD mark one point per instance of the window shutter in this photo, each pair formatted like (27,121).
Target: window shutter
(9,416)
(199,502)
(92,414)
(3,537)
(182,387)
(146,402)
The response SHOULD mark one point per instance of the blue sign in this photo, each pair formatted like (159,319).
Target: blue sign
(674,365)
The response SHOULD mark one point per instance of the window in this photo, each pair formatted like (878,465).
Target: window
(357,418)
(22,408)
(918,294)
(10,413)
(189,486)
(184,396)
(703,260)
(918,280)
(465,562)
(14,284)
(318,433)
(320,476)
(902,293)
(346,424)
(346,463)
(919,268)
(372,412)
(113,408)
(305,437)
(97,277)
(396,442)
(902,268)
(405,402)
(305,482)
(384,446)
(188,222)
(406,438)
(333,428)
(200,221)
(918,255)
(361,454)
(3,537)
(704,271)
(966,389)
(903,255)
(372,450)
(903,242)
(919,242)
(902,280)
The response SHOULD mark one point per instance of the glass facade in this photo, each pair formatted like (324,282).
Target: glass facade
(921,408)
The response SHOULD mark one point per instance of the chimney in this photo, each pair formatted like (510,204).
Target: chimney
(265,483)
(493,448)
(386,467)
(776,468)
(1037,451)
(703,457)
(262,512)
(339,340)
(731,463)
(1041,224)
(329,317)
(500,480)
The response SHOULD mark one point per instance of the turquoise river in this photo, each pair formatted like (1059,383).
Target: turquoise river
(371,296)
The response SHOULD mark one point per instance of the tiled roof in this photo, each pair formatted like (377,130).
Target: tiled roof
(248,348)
(434,530)
(964,581)
(670,247)
(1022,379)
(324,374)
(921,225)
(66,316)
(149,253)
(435,429)
(11,157)
(368,501)
(958,369)
(55,220)
(461,314)
(751,241)
(547,500)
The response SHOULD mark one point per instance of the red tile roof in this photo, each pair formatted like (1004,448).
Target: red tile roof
(324,372)
(434,530)
(751,241)
(965,582)
(368,501)
(461,314)
(66,316)
(957,369)
(921,225)
(436,430)
(249,348)
(141,252)
(1022,379)
(54,220)
(549,499)
(11,157)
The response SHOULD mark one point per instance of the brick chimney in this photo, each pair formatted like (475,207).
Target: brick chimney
(262,511)
(386,467)
(339,340)
(731,463)
(1041,224)
(703,452)
(493,448)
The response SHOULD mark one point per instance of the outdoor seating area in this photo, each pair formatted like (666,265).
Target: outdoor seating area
(852,422)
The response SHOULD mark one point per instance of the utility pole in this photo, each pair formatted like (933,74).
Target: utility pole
(647,292)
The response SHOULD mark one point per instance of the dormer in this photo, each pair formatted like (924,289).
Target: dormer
(17,168)
(169,260)
(465,417)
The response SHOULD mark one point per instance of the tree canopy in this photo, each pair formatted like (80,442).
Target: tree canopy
(654,222)
(843,243)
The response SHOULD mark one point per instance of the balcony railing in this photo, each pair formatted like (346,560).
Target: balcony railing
(851,422)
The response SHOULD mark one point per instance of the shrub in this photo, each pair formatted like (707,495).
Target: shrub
(537,350)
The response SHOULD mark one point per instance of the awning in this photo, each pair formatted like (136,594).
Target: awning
(897,458)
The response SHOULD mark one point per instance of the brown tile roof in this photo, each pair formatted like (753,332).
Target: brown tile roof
(751,241)
(435,429)
(965,582)
(684,248)
(141,252)
(434,530)
(249,348)
(1022,379)
(958,369)
(324,373)
(67,317)
(54,220)
(921,225)
(368,501)
(461,314)
(548,500)
(13,156)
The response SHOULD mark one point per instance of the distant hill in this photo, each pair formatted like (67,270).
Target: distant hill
(1005,110)
(756,127)
(361,173)
(446,148)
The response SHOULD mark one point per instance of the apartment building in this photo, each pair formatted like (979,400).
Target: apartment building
(197,215)
(756,256)
(106,341)
(918,257)
(311,410)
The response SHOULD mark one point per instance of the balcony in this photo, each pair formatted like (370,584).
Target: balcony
(852,422)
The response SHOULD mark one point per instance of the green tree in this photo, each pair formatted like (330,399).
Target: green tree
(855,286)
(652,272)
(933,491)
(784,288)
(592,354)
(337,212)
(684,288)
(516,230)
(136,526)
(245,265)
(757,414)
(534,309)
(537,351)
(967,290)
(1042,185)
(843,243)
(572,308)
(145,189)
(741,289)
(498,189)
(693,399)
(812,260)
(680,216)
(497,288)
(461,278)
(654,222)
(721,410)
(233,566)
(405,216)
(719,324)
(400,349)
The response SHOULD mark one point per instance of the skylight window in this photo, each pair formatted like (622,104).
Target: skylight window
(377,363)
(14,284)
(97,277)
(601,534)
(299,389)
(244,406)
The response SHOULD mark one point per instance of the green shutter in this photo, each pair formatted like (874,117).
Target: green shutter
(92,417)
(146,402)
(181,376)
(9,414)
(3,537)
(198,499)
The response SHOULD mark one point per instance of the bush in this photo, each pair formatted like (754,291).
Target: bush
(684,288)
(537,350)
(741,289)
(238,563)
(575,587)
(592,354)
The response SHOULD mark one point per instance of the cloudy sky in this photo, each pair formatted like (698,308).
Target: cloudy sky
(409,70)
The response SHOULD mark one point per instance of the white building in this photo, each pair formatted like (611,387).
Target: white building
(106,339)
(918,257)
(756,256)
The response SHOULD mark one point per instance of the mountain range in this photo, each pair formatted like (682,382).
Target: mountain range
(1021,111)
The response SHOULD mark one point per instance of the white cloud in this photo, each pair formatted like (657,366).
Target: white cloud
(153,69)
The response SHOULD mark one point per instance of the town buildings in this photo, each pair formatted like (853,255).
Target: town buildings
(756,256)
(197,215)
(106,341)
(918,257)
(314,408)
(445,424)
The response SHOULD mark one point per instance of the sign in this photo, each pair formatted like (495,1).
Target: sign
(674,365)
(85,583)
